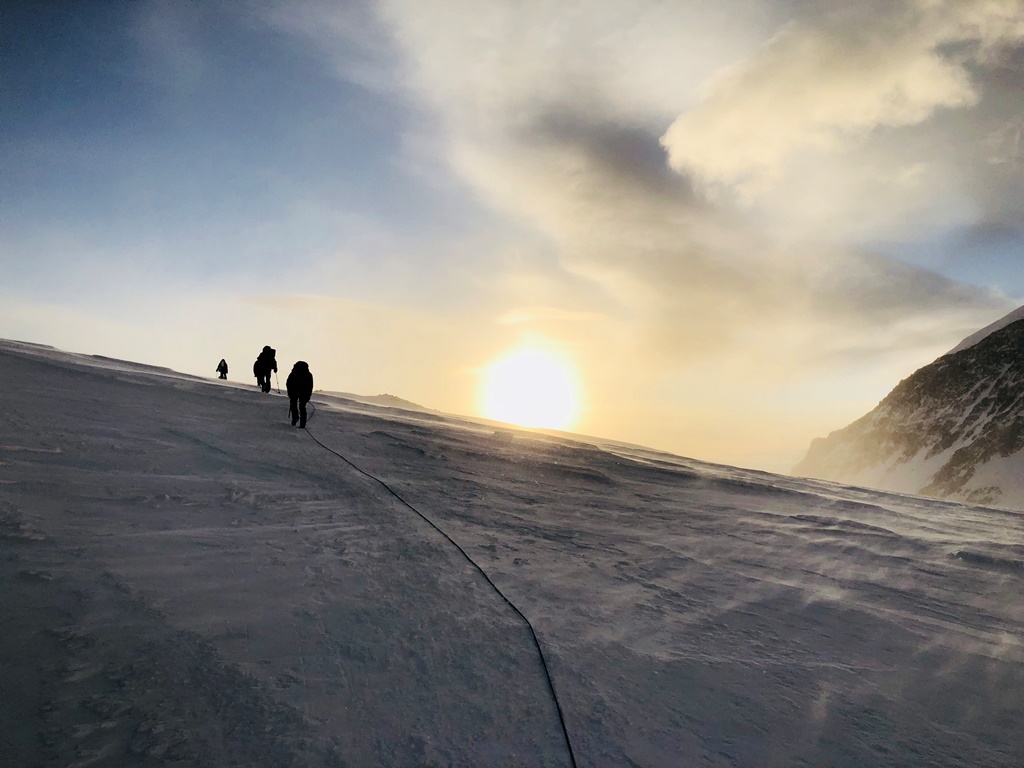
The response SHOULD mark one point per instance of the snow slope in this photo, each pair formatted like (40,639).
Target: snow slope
(187,580)
(391,401)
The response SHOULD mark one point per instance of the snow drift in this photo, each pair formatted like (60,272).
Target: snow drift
(188,580)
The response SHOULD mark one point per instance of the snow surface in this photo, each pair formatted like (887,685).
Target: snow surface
(187,580)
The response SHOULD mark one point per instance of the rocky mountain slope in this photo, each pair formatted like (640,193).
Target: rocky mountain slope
(954,429)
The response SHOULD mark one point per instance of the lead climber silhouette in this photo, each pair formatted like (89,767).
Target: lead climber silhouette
(300,389)
(222,368)
(265,363)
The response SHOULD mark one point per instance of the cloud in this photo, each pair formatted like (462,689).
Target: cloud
(482,65)
(557,115)
(826,81)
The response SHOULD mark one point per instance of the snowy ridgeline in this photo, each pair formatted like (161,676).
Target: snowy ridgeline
(954,429)
(185,579)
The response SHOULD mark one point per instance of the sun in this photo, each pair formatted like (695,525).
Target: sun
(531,388)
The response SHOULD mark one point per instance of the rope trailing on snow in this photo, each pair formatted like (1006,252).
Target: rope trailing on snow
(481,571)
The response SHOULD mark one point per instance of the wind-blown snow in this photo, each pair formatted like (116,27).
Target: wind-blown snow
(988,330)
(188,580)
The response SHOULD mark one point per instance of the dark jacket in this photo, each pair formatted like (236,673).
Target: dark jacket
(222,367)
(300,382)
(265,363)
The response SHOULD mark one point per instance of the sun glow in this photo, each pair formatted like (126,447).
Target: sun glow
(531,388)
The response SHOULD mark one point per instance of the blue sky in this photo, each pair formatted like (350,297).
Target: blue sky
(739,223)
(179,129)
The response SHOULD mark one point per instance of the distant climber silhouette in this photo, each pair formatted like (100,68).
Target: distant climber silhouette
(300,389)
(222,368)
(261,369)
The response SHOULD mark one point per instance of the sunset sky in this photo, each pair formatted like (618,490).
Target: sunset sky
(722,227)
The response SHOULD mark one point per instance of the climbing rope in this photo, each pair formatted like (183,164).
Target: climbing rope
(481,571)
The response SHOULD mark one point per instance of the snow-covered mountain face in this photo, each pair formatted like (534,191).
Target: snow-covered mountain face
(188,580)
(954,429)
